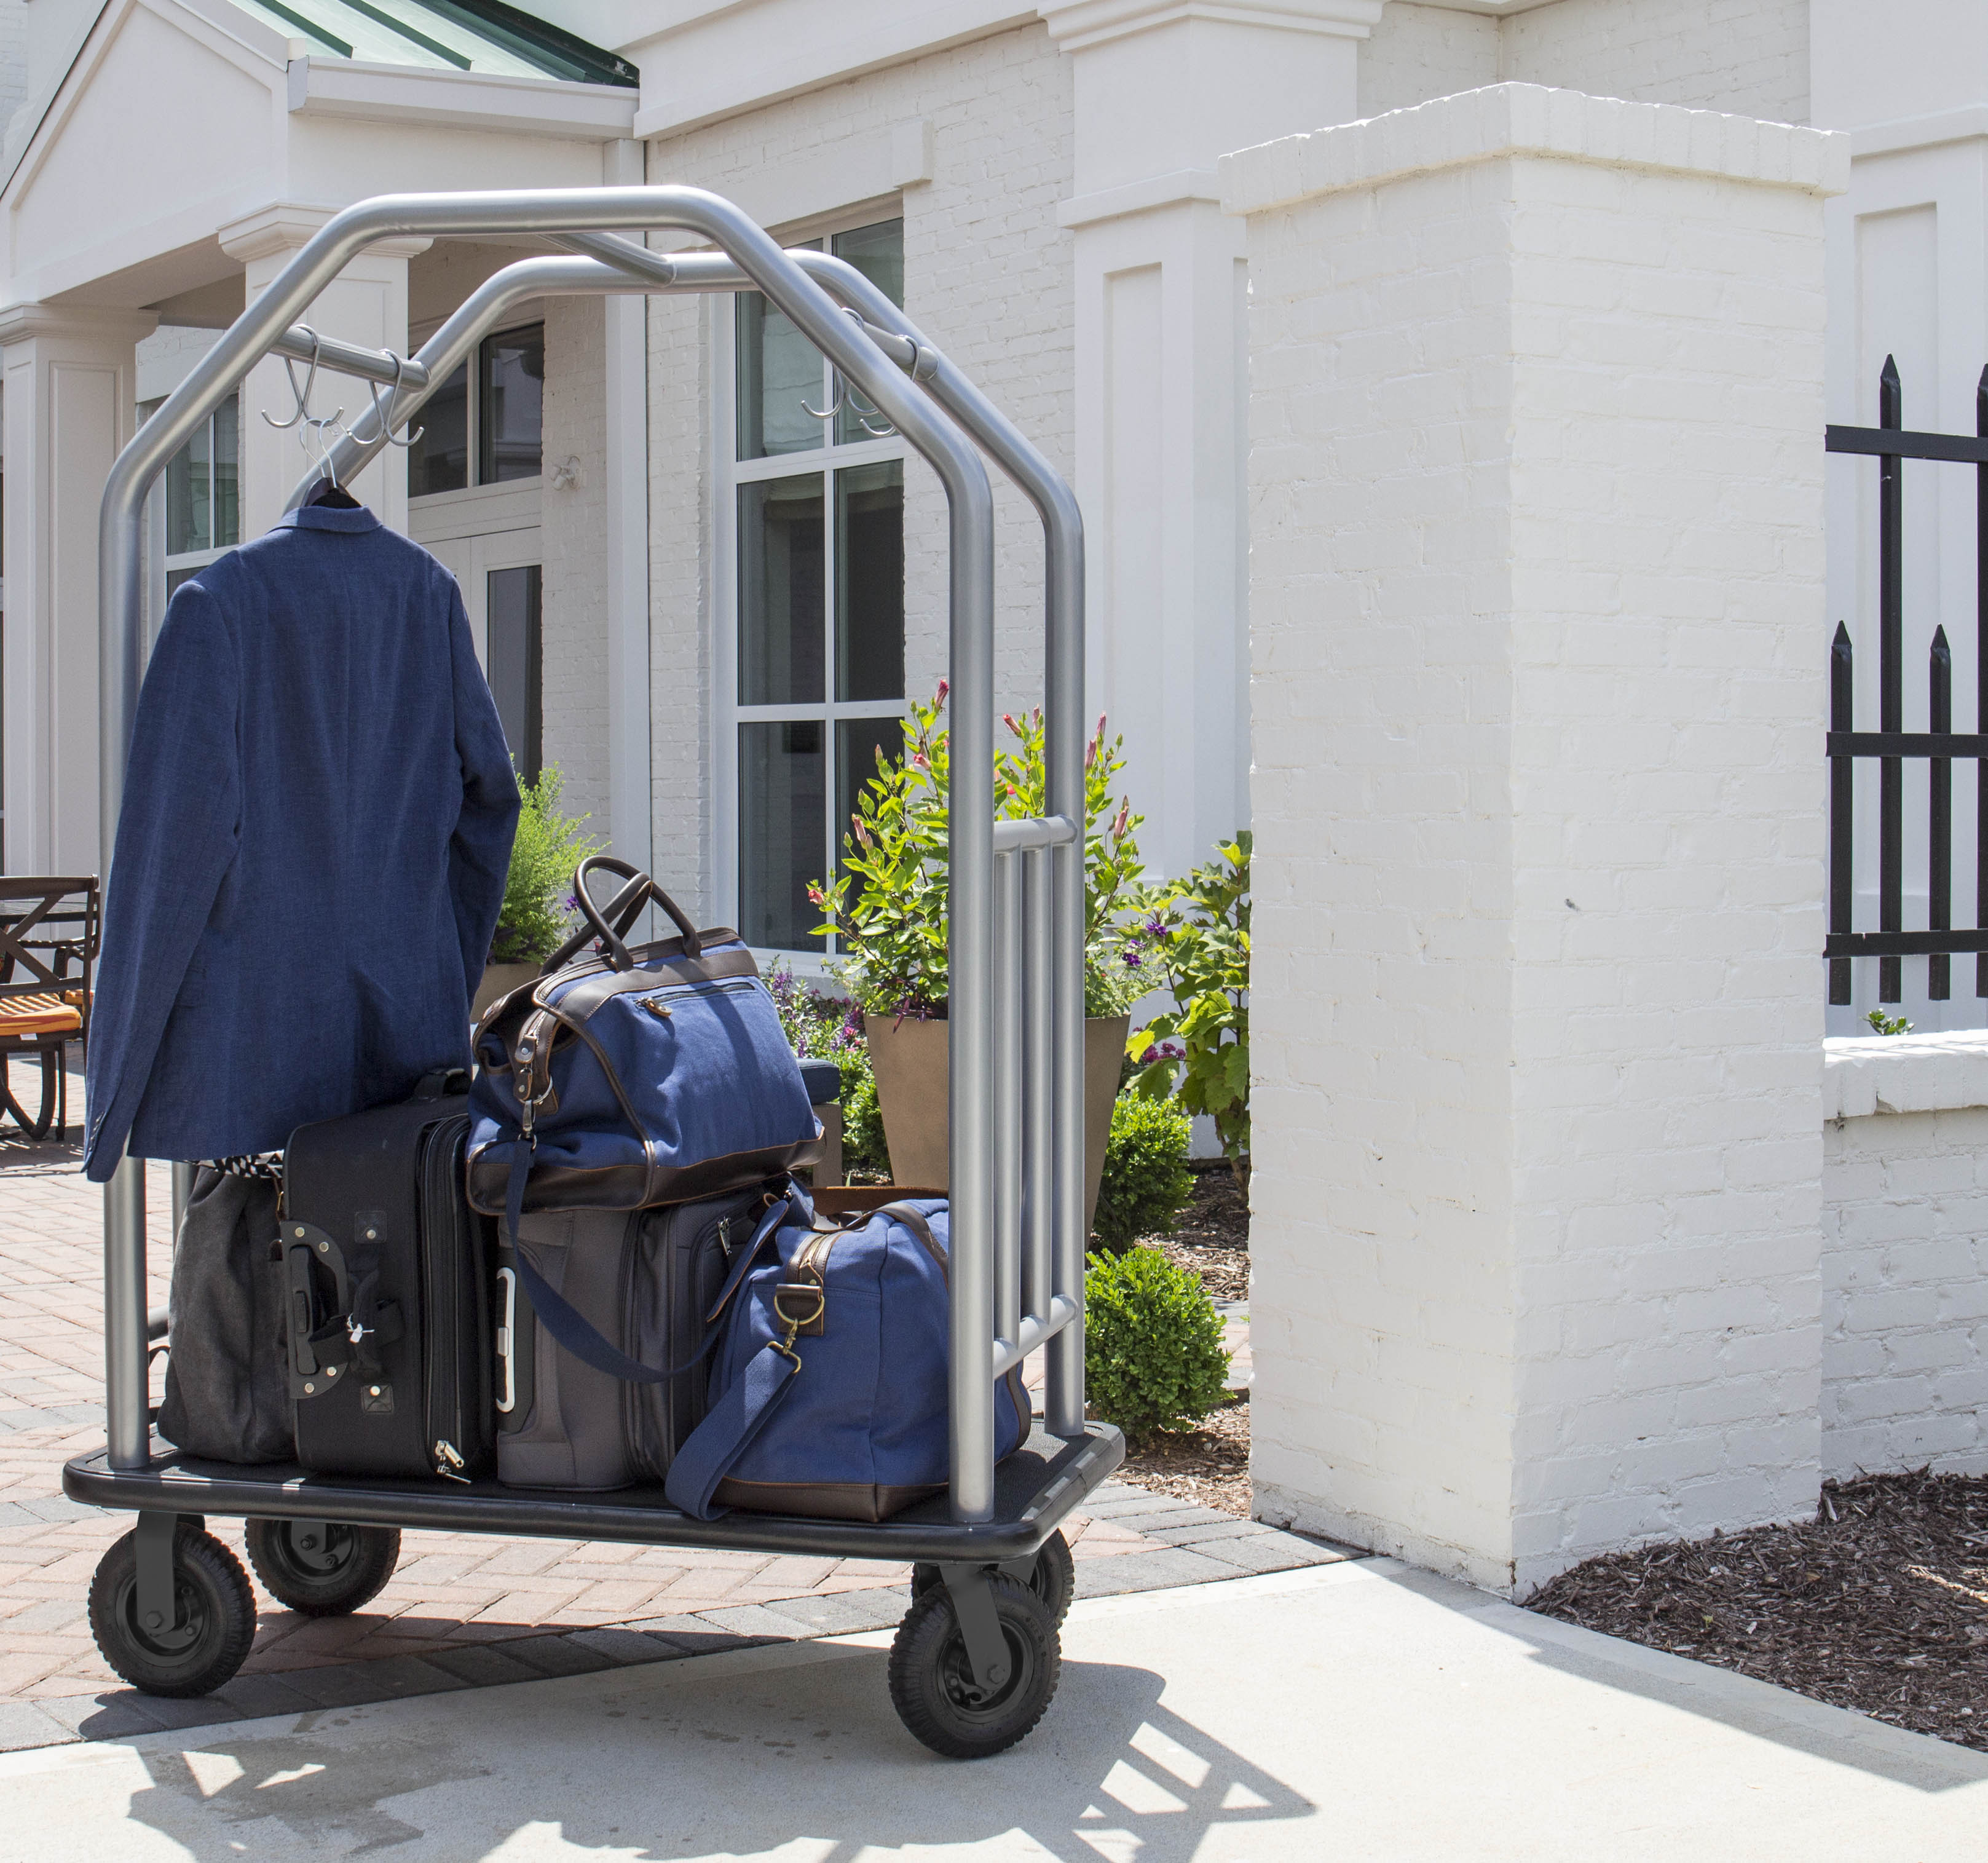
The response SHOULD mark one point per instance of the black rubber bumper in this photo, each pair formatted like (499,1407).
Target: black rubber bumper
(1033,1490)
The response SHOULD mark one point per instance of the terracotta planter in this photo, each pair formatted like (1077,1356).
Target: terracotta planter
(909,1061)
(499,980)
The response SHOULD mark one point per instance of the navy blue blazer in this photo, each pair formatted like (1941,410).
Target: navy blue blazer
(316,826)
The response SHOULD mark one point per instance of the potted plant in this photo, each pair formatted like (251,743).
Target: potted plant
(538,911)
(887,912)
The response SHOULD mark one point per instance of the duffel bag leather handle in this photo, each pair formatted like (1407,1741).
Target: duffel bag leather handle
(610,923)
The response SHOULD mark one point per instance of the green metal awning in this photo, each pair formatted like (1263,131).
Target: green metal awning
(483,35)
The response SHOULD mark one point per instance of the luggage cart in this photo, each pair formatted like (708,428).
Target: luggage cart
(976,1660)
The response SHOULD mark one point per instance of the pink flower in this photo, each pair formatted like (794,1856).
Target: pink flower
(944,687)
(920,761)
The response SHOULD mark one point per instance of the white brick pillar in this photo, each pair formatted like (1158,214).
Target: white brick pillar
(71,405)
(367,303)
(1161,92)
(1537,681)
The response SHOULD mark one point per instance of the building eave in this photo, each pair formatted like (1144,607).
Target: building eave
(460,99)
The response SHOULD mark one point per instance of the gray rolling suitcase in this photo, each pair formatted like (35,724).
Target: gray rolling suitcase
(643,1281)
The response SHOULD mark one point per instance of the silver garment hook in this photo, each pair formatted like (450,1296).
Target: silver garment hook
(835,400)
(384,416)
(845,396)
(859,404)
(303,394)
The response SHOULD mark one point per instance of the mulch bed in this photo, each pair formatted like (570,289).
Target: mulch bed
(1880,1604)
(1212,1235)
(1210,1466)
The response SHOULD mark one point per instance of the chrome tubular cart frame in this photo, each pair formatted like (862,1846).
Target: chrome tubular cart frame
(1016,935)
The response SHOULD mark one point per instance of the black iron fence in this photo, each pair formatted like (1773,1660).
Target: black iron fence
(1892,746)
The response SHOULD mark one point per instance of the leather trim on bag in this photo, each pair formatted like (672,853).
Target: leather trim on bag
(823,1500)
(584,998)
(631,1185)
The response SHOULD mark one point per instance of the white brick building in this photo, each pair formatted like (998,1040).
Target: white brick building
(1470,458)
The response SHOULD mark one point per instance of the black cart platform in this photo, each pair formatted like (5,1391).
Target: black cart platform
(1035,1489)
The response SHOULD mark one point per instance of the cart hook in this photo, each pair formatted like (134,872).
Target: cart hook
(384,416)
(303,394)
(846,395)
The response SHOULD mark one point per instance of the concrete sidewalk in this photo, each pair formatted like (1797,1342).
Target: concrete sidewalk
(1356,1711)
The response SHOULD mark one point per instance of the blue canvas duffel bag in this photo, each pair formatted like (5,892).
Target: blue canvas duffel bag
(621,1079)
(828,1389)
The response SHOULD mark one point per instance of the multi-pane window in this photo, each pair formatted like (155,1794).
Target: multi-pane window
(499,428)
(817,497)
(203,496)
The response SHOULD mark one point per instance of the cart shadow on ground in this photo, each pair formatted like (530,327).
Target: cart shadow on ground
(795,1751)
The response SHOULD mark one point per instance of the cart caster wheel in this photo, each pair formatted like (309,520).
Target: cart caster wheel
(931,1681)
(322,1568)
(216,1612)
(1052,1577)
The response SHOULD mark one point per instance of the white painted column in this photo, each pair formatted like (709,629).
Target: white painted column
(367,303)
(627,497)
(1162,93)
(71,405)
(1536,484)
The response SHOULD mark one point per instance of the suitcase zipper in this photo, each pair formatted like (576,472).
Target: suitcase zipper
(658,1001)
(442,1213)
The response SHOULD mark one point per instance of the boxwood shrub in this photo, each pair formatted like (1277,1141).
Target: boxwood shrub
(1146,1183)
(1152,1343)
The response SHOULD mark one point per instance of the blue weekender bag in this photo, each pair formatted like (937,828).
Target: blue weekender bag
(828,1393)
(621,1079)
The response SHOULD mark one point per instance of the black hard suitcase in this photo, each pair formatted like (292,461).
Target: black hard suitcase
(645,1280)
(387,1274)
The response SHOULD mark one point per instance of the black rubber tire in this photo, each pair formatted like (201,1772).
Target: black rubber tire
(931,1683)
(1053,1578)
(322,1581)
(216,1611)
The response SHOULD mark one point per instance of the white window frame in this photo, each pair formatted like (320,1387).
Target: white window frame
(472,420)
(197,560)
(728,473)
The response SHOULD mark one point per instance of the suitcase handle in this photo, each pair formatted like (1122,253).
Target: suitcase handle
(507,1342)
(308,1252)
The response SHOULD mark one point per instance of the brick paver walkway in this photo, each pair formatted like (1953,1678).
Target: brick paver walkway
(461,1609)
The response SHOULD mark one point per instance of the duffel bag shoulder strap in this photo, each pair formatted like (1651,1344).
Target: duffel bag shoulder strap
(571,1329)
(711,1450)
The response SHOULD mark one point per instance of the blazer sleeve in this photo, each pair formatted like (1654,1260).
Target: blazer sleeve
(178,831)
(479,852)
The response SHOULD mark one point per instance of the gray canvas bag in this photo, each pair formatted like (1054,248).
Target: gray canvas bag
(644,1281)
(227,1397)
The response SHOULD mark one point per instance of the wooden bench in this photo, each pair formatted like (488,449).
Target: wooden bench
(49,933)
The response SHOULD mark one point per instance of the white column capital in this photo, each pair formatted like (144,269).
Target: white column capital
(1080,24)
(22,322)
(285,225)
